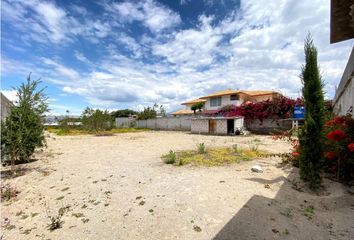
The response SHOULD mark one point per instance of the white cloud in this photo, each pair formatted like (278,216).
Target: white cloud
(259,46)
(81,57)
(47,23)
(151,14)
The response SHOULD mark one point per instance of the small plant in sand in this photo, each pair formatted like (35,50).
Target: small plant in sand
(55,221)
(309,211)
(235,148)
(170,158)
(8,192)
(201,148)
(253,145)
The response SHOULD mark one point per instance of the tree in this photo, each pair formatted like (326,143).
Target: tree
(147,113)
(197,106)
(23,130)
(123,113)
(96,120)
(162,111)
(310,136)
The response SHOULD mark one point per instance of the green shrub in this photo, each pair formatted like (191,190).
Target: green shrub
(23,130)
(201,148)
(96,120)
(310,135)
(170,158)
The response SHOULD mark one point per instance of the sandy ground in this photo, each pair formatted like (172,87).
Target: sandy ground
(118,188)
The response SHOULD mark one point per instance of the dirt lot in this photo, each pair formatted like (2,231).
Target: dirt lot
(117,187)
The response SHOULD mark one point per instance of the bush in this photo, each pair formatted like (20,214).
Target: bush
(339,147)
(123,113)
(170,158)
(96,120)
(201,148)
(23,130)
(147,113)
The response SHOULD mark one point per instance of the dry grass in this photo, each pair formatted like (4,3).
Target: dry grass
(76,131)
(215,156)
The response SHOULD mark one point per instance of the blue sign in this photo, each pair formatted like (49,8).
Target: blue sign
(299,111)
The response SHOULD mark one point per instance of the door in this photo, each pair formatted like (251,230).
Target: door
(212,126)
(230,126)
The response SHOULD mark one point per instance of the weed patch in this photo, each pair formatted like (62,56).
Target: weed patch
(212,157)
(79,131)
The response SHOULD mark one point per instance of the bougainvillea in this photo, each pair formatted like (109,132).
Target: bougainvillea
(277,108)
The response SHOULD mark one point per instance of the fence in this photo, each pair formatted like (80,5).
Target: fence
(125,122)
(269,126)
(166,123)
(184,124)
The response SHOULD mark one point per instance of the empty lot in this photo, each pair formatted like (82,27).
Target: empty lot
(117,187)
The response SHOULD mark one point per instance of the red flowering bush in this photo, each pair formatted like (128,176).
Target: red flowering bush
(339,147)
(278,108)
(293,156)
(336,135)
(351,147)
(338,139)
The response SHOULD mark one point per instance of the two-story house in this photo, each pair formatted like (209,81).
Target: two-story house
(213,102)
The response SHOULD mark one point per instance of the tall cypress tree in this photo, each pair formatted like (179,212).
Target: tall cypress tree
(311,152)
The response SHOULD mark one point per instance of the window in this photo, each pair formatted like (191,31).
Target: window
(234,97)
(215,102)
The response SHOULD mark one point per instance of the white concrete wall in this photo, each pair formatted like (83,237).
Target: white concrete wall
(125,122)
(346,101)
(168,123)
(141,123)
(5,106)
(239,123)
(225,100)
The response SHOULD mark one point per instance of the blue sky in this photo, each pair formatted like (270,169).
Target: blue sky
(129,54)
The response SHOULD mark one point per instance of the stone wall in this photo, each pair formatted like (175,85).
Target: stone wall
(221,126)
(200,126)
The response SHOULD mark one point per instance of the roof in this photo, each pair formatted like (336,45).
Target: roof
(222,93)
(230,92)
(347,74)
(198,100)
(258,93)
(182,112)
